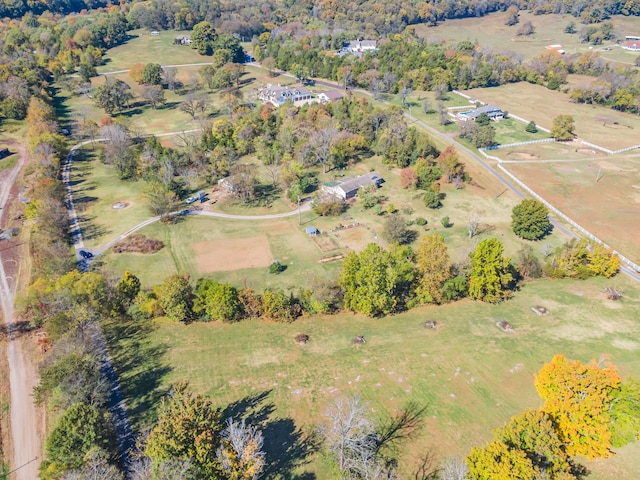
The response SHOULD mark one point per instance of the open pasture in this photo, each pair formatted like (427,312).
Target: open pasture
(145,48)
(594,123)
(602,195)
(472,375)
(490,31)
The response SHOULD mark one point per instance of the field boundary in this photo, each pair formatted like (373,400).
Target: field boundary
(558,213)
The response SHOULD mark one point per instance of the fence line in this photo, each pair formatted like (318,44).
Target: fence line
(528,142)
(558,213)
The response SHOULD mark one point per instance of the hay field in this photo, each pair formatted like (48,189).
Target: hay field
(609,208)
(594,123)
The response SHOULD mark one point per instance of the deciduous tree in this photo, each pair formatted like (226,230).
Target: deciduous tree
(188,428)
(530,220)
(241,454)
(490,279)
(433,268)
(578,398)
(218,301)
(175,296)
(152,74)
(625,413)
(563,127)
(496,461)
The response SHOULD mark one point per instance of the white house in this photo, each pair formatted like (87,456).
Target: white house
(330,96)
(361,46)
(278,95)
(494,113)
(349,187)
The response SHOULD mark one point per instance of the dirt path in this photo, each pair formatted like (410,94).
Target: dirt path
(25,417)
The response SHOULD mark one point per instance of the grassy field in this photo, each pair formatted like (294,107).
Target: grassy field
(96,187)
(472,376)
(145,48)
(490,31)
(572,188)
(594,123)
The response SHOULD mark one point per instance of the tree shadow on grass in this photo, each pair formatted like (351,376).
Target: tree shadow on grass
(287,447)
(140,367)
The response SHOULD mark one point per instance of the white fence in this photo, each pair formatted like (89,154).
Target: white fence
(606,150)
(558,213)
(529,142)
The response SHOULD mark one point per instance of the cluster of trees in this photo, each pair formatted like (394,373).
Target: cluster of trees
(582,259)
(587,410)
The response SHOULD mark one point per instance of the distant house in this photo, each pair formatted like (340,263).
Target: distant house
(155,33)
(494,113)
(183,40)
(632,37)
(555,48)
(348,188)
(633,46)
(278,95)
(361,46)
(4,152)
(330,96)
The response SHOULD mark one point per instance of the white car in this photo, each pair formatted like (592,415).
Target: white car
(190,200)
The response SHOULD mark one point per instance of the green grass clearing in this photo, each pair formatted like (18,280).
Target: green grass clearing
(472,375)
(145,48)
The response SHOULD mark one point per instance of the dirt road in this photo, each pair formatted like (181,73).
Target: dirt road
(25,418)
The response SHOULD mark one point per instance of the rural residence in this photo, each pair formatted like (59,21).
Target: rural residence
(277,96)
(359,47)
(330,96)
(183,40)
(633,46)
(348,188)
(494,113)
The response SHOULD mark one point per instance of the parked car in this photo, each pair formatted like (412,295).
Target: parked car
(190,200)
(85,254)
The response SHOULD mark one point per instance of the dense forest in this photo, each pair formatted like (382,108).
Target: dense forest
(366,16)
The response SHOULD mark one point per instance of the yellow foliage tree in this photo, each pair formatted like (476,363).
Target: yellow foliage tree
(496,461)
(136,73)
(578,397)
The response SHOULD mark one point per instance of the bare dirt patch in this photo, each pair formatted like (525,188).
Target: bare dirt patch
(356,238)
(325,243)
(232,254)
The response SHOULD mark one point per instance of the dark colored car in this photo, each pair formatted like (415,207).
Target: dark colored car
(85,254)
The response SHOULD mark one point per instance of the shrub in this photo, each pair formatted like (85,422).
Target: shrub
(276,267)
(421,221)
(445,222)
(329,208)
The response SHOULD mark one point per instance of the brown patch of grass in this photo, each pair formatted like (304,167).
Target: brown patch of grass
(138,243)
(232,254)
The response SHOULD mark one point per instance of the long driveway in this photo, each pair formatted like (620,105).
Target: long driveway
(23,377)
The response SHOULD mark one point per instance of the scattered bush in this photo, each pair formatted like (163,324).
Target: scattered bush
(421,221)
(446,223)
(276,267)
(329,208)
(138,243)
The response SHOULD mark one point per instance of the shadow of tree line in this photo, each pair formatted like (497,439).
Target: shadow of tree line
(287,447)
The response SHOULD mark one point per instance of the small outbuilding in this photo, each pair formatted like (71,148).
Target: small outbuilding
(312,231)
(4,152)
(155,33)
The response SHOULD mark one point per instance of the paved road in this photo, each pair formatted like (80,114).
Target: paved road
(117,407)
(103,248)
(26,440)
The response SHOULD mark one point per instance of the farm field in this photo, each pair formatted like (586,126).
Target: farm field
(608,208)
(596,124)
(472,375)
(490,31)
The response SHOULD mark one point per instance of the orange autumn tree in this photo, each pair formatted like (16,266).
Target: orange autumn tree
(578,396)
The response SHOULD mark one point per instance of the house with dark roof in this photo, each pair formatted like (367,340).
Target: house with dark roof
(494,113)
(278,95)
(348,188)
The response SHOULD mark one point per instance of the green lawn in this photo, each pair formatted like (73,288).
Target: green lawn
(510,130)
(8,162)
(96,187)
(472,376)
(145,48)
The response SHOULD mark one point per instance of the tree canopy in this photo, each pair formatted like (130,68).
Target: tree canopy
(578,398)
(530,220)
(491,278)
